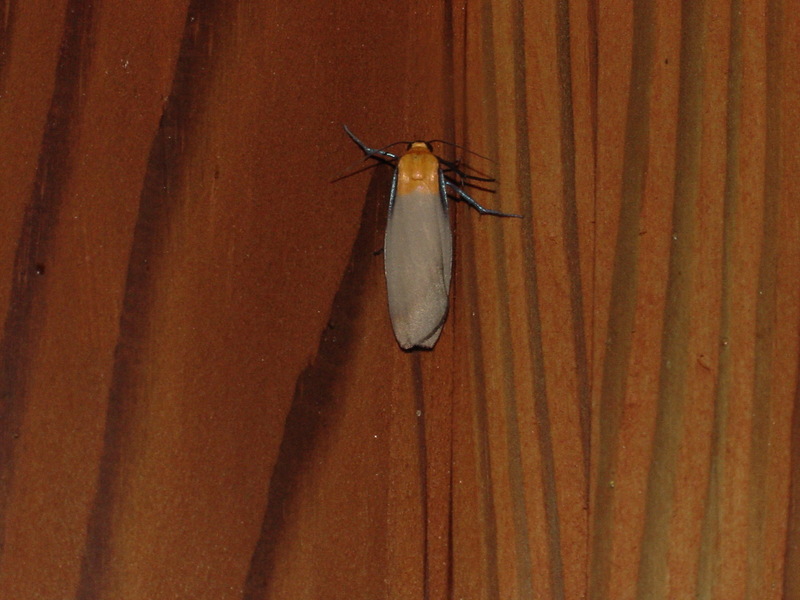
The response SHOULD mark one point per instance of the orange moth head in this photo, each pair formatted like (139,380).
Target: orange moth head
(418,170)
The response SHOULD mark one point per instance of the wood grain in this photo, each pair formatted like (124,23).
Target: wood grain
(201,395)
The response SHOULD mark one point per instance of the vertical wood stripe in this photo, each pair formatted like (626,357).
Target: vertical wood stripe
(22,330)
(124,428)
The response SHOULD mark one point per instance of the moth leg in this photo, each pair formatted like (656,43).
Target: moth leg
(369,152)
(482,210)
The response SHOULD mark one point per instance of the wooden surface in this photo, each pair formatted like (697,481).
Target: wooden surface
(201,396)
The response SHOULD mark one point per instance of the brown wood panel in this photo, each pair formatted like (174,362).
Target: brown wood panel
(690,427)
(522,451)
(201,395)
(74,208)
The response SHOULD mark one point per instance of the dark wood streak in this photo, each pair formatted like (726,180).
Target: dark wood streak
(422,466)
(22,329)
(449,74)
(535,342)
(8,9)
(653,577)
(314,407)
(779,64)
(791,577)
(708,567)
(486,491)
(570,234)
(623,295)
(165,170)
(762,427)
(524,568)
(536,347)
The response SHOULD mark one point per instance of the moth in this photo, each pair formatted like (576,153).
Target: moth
(418,247)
